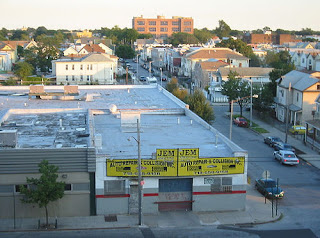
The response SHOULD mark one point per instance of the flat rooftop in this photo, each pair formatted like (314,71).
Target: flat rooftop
(165,123)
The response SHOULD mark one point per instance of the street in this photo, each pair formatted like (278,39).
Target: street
(300,205)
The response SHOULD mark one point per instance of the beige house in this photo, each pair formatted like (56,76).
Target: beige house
(297,92)
(227,55)
(94,68)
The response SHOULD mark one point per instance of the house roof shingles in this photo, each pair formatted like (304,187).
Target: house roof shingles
(247,71)
(299,80)
(216,53)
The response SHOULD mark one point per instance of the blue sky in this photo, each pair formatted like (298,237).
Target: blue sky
(94,14)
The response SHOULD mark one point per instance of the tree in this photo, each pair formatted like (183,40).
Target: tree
(238,45)
(172,85)
(44,190)
(125,52)
(182,38)
(23,69)
(199,105)
(236,89)
(265,99)
(223,29)
(203,35)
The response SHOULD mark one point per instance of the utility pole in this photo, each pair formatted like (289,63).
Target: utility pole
(139,173)
(287,112)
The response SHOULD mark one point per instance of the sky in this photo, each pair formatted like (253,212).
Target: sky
(94,14)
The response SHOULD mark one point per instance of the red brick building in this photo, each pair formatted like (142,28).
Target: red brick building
(161,27)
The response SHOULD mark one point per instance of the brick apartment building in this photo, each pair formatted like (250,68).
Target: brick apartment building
(162,27)
(268,38)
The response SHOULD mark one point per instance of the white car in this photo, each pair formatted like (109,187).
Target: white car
(286,157)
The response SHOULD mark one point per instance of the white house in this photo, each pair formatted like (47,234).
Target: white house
(296,92)
(95,68)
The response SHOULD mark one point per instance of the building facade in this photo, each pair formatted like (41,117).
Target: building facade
(162,27)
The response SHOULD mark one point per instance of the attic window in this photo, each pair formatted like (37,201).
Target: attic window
(318,87)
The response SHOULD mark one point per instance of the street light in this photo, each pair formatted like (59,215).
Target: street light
(137,75)
(161,77)
(231,111)
(139,172)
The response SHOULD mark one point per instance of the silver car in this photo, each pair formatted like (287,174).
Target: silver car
(286,157)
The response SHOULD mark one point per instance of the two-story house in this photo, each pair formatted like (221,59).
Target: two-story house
(94,68)
(296,95)
(313,128)
(227,55)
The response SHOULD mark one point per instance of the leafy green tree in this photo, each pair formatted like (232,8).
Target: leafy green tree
(265,99)
(200,105)
(125,52)
(236,89)
(145,36)
(44,190)
(23,69)
(41,30)
(223,30)
(203,35)
(182,38)
(238,45)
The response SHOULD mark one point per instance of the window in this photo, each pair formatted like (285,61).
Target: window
(187,23)
(73,77)
(67,187)
(152,29)
(66,77)
(73,67)
(81,77)
(88,77)
(302,60)
(175,23)
(17,187)
(66,67)
(163,35)
(175,29)
(140,28)
(163,23)
(297,97)
(87,67)
(140,23)
(221,184)
(152,23)
(318,87)
(309,61)
(187,29)
(6,188)
(90,66)
(114,187)
(81,67)
(163,29)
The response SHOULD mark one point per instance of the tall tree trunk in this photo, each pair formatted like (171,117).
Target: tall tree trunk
(47,222)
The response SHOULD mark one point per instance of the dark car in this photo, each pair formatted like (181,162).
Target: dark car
(283,146)
(271,140)
(143,78)
(268,188)
(240,121)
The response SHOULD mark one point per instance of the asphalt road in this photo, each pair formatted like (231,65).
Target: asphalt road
(301,203)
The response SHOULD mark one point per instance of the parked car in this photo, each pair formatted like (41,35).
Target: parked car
(286,157)
(164,79)
(283,146)
(143,78)
(240,121)
(268,188)
(298,130)
(271,140)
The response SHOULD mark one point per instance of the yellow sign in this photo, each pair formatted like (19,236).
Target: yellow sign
(167,154)
(129,167)
(210,166)
(189,153)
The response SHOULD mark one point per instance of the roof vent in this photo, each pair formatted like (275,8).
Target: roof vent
(8,138)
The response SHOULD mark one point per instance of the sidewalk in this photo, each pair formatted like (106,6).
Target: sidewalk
(257,211)
(307,154)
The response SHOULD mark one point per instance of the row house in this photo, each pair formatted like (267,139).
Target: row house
(256,75)
(84,49)
(226,55)
(94,68)
(296,95)
(306,59)
(312,137)
(9,52)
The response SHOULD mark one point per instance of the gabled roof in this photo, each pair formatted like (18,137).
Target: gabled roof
(93,48)
(212,65)
(247,71)
(96,57)
(14,44)
(216,53)
(299,80)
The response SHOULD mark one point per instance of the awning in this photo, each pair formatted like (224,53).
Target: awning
(294,108)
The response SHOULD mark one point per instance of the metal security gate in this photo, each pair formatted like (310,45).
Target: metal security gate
(175,195)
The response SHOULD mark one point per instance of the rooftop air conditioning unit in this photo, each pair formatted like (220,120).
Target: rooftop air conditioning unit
(8,138)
